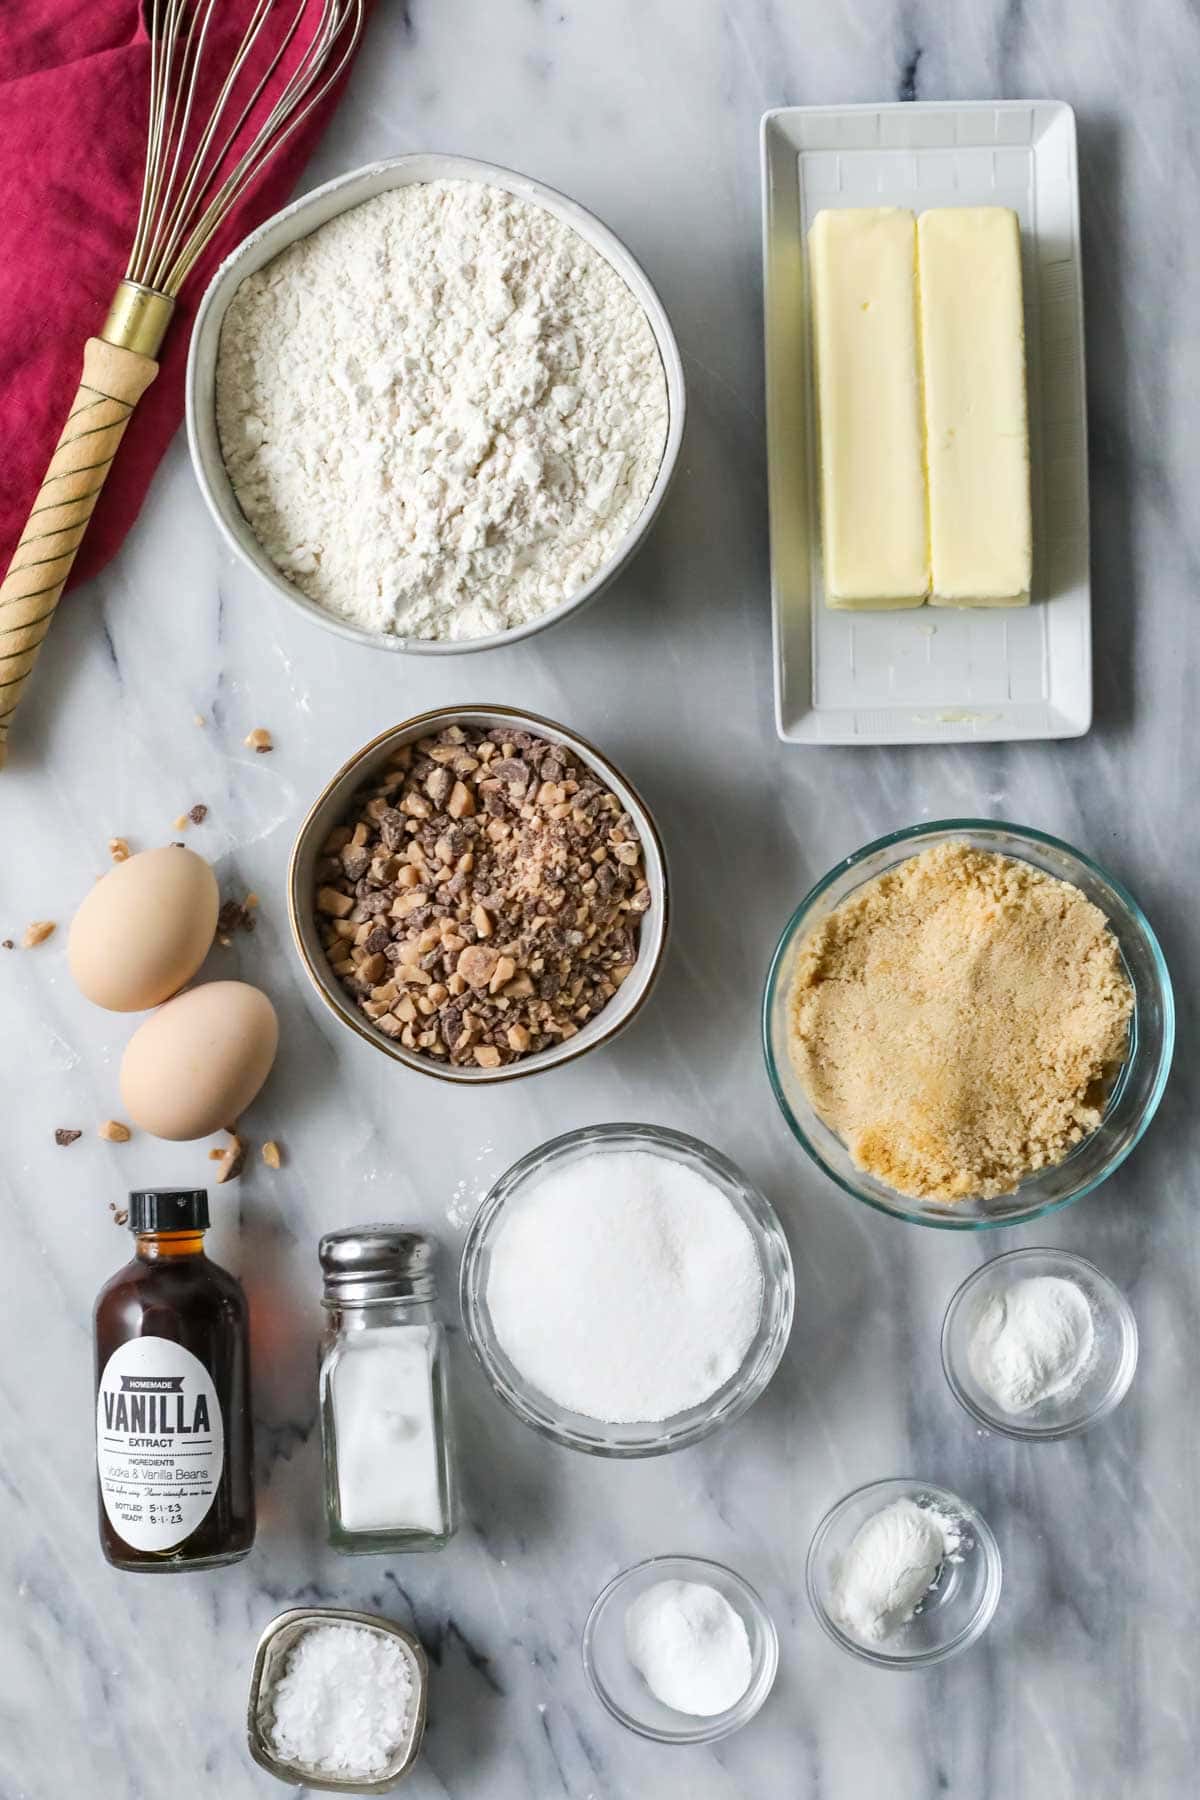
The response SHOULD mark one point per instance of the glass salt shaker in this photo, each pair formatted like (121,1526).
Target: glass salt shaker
(385,1418)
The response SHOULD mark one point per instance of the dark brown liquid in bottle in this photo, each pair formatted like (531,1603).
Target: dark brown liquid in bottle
(172,1291)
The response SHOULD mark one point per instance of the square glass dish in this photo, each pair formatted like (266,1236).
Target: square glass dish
(929,675)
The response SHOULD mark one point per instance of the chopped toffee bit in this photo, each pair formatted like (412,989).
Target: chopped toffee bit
(37,933)
(483,899)
(65,1136)
(114,1132)
(235,915)
(259,740)
(232,1159)
(199,719)
(250,902)
(271,1154)
(198,813)
(180,823)
(119,1213)
(118,849)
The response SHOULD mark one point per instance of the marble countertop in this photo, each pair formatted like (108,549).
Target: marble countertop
(1087,1683)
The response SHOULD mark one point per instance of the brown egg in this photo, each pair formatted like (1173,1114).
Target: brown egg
(144,930)
(197,1063)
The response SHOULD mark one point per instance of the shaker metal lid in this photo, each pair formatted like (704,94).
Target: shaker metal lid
(378,1262)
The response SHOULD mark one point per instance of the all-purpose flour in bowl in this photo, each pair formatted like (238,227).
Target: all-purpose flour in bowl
(442,412)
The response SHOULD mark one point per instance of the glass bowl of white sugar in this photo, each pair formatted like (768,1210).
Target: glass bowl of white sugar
(626,1290)
(1039,1345)
(718,1674)
(903,1574)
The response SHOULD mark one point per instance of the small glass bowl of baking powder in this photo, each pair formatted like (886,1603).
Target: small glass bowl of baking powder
(960,1602)
(618,1685)
(1093,1391)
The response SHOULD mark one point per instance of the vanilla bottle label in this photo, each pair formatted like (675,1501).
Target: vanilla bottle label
(160,1442)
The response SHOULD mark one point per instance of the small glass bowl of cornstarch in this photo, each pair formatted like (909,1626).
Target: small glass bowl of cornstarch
(1039,1345)
(337,1700)
(435,405)
(626,1290)
(903,1574)
(624,1687)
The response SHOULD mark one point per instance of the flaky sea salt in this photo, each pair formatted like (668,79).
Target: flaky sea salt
(342,1705)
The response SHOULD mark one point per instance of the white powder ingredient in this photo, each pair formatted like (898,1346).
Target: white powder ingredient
(893,1560)
(441,412)
(689,1646)
(624,1286)
(341,1706)
(389,1462)
(1032,1341)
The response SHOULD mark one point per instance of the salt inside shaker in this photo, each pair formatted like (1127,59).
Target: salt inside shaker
(385,1418)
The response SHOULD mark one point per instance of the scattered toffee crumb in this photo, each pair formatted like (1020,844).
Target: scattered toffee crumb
(232,1159)
(118,849)
(236,915)
(7,944)
(119,1213)
(271,1154)
(259,740)
(113,1132)
(64,1135)
(38,932)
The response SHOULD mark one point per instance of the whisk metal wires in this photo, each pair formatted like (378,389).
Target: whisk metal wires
(195,174)
(185,194)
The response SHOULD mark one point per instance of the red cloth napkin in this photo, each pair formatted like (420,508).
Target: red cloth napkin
(74,98)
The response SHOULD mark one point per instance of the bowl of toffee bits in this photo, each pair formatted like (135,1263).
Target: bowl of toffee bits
(480,894)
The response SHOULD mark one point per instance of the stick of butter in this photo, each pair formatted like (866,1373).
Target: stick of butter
(875,533)
(976,416)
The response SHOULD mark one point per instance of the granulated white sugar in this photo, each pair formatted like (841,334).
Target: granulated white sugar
(625,1286)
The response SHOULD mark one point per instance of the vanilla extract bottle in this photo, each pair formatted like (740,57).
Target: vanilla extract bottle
(174,1444)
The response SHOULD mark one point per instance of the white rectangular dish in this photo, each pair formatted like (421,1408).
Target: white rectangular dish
(930,676)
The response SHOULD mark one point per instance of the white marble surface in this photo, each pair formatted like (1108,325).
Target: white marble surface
(126,1689)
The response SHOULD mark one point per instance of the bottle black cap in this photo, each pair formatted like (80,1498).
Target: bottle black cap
(168,1209)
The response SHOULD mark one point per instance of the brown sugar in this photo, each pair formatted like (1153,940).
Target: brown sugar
(958,1022)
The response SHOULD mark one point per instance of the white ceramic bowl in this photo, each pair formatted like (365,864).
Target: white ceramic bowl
(299,220)
(330,808)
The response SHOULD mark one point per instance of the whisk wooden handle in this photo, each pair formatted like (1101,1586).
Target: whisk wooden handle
(114,380)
